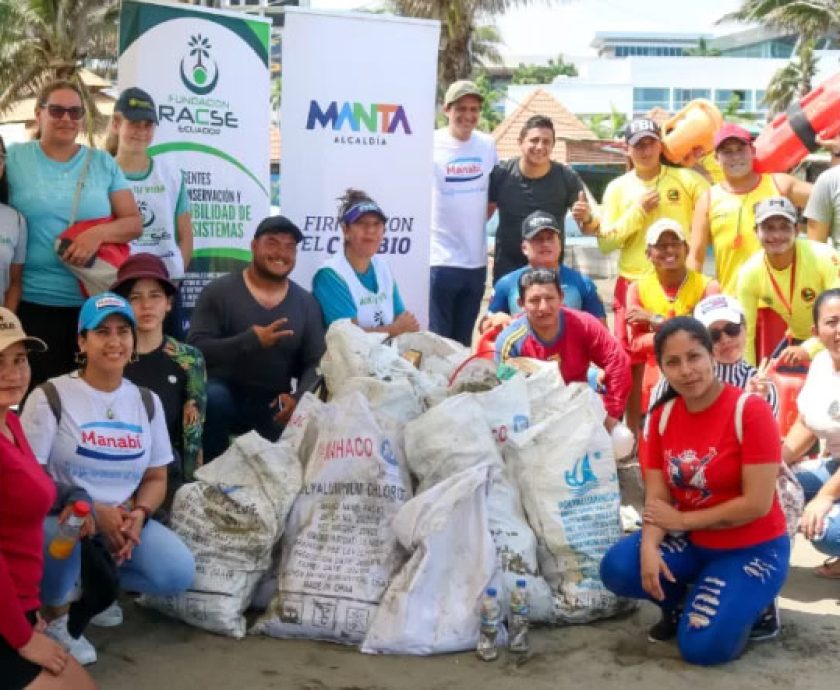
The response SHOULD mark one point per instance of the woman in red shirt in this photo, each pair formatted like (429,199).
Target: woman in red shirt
(713,552)
(28,658)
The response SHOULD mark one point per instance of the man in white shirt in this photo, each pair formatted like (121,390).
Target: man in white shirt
(463,160)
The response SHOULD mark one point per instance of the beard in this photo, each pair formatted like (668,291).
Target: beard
(263,272)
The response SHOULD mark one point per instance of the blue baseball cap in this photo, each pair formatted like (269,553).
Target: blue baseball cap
(359,209)
(100,307)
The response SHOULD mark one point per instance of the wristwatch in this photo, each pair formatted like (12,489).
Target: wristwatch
(657,321)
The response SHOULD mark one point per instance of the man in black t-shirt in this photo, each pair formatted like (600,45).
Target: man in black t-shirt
(529,183)
(258,330)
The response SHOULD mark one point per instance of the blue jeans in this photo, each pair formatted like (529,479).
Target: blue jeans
(160,564)
(812,474)
(234,410)
(724,590)
(454,301)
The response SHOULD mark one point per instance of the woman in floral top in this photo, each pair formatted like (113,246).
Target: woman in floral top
(172,369)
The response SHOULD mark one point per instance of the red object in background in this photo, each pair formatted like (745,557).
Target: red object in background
(649,380)
(486,346)
(788,385)
(770,330)
(783,143)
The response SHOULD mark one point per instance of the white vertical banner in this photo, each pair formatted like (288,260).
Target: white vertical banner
(358,110)
(208,73)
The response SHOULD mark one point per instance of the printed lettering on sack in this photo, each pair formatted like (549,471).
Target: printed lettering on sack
(338,449)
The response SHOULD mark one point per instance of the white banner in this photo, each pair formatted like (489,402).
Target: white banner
(208,72)
(358,110)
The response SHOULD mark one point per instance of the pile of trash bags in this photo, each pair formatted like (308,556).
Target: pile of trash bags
(381,516)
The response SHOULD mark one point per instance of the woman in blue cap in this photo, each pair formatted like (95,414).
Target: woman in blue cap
(95,429)
(356,283)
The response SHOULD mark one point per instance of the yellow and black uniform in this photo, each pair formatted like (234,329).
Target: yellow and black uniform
(732,228)
(624,221)
(790,292)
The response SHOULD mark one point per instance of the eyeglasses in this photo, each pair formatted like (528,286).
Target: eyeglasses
(731,329)
(56,112)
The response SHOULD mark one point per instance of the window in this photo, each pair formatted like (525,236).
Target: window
(683,96)
(759,97)
(723,97)
(646,99)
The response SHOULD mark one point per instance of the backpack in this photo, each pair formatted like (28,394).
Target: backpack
(54,400)
(788,489)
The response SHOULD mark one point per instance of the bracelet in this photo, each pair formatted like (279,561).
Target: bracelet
(147,512)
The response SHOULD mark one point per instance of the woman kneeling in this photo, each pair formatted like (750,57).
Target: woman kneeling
(713,552)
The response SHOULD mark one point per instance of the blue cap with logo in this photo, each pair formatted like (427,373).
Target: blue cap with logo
(100,307)
(360,208)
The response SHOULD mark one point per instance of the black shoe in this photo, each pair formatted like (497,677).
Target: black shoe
(666,628)
(768,625)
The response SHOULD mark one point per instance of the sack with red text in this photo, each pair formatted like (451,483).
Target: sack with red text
(339,550)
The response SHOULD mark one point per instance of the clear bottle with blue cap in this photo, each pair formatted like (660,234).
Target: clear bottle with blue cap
(487,649)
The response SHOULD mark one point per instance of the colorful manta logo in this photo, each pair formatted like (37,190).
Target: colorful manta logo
(147,216)
(202,78)
(385,118)
(581,479)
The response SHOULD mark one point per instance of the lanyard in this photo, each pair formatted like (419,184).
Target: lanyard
(786,303)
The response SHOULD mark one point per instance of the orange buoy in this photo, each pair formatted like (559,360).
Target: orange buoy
(695,125)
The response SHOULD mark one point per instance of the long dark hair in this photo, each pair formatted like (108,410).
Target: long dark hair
(831,293)
(4,179)
(695,330)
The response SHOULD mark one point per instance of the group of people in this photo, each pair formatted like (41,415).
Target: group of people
(120,411)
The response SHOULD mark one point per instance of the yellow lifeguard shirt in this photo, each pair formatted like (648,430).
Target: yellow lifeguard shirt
(624,222)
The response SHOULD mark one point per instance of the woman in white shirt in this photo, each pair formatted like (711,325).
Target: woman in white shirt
(819,416)
(95,429)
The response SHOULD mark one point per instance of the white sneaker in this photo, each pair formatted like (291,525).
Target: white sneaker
(81,649)
(110,617)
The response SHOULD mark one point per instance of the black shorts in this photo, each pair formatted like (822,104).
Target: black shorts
(15,671)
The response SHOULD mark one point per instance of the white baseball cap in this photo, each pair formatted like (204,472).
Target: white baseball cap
(718,308)
(663,225)
(774,206)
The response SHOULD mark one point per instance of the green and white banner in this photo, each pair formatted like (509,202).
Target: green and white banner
(208,72)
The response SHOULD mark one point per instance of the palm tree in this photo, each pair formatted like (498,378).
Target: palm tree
(792,81)
(807,18)
(459,20)
(703,50)
(43,40)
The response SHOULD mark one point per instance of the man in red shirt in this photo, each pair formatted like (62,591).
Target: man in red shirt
(575,340)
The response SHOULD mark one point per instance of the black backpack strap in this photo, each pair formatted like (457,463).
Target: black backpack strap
(53,399)
(148,402)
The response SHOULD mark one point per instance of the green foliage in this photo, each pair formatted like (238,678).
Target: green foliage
(703,50)
(543,74)
(606,125)
(792,81)
(490,118)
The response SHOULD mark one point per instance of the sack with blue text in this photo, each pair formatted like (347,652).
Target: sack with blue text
(567,477)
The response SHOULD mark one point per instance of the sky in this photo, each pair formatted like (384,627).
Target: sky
(548,27)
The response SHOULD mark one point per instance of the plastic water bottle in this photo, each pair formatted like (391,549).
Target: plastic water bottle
(518,618)
(490,614)
(623,441)
(67,535)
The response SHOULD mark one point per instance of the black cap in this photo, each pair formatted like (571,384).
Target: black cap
(136,105)
(278,224)
(539,220)
(641,128)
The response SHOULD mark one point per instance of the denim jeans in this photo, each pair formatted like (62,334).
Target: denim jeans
(812,474)
(454,301)
(724,590)
(160,564)
(234,410)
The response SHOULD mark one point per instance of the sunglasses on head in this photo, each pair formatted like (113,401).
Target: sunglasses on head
(731,329)
(56,112)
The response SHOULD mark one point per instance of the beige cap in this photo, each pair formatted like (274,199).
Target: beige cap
(11,332)
(459,89)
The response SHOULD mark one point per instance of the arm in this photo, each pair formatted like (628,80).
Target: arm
(11,299)
(312,349)
(820,211)
(748,298)
(813,518)
(794,189)
(609,355)
(652,564)
(700,231)
(798,441)
(618,226)
(712,288)
(817,230)
(639,324)
(591,301)
(195,408)
(207,330)
(183,228)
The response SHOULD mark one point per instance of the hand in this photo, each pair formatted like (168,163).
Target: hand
(498,320)
(286,405)
(131,529)
(88,526)
(83,247)
(610,423)
(404,323)
(662,514)
(832,144)
(693,157)
(758,385)
(637,315)
(793,355)
(191,415)
(653,565)
(271,334)
(109,523)
(813,517)
(45,652)
(581,211)
(649,200)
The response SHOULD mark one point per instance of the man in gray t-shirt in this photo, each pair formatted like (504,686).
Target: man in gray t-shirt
(823,209)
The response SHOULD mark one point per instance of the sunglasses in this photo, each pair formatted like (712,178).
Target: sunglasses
(731,329)
(56,112)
